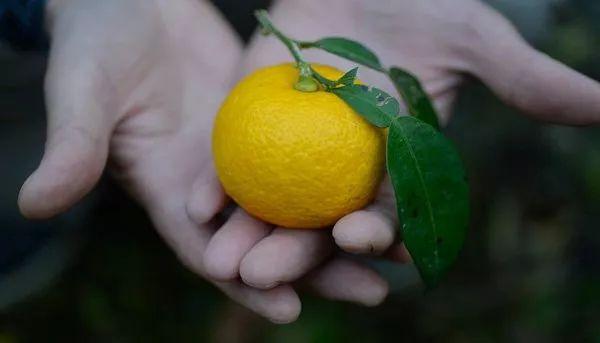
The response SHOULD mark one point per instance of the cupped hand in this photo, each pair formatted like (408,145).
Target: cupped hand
(441,41)
(135,84)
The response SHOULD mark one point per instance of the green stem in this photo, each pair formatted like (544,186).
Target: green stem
(306,82)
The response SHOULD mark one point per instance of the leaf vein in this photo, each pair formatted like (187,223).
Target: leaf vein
(422,181)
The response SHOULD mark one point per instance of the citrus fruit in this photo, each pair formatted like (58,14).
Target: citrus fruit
(295,159)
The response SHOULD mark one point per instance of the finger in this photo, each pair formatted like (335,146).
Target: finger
(444,103)
(372,229)
(230,244)
(443,91)
(206,199)
(280,305)
(79,127)
(364,231)
(398,253)
(346,280)
(532,81)
(284,256)
(189,241)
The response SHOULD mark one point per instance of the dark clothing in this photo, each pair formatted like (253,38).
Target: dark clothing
(22,24)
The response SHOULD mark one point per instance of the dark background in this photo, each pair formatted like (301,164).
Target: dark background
(530,271)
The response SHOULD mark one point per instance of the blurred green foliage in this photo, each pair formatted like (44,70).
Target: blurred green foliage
(530,271)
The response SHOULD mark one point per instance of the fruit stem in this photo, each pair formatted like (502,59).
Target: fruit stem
(306,82)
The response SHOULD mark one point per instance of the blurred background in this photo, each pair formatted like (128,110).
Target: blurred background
(530,271)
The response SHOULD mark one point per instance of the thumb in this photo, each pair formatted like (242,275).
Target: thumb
(530,80)
(76,145)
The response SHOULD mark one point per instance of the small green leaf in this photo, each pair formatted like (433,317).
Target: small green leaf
(348,78)
(327,83)
(432,196)
(375,105)
(348,49)
(419,104)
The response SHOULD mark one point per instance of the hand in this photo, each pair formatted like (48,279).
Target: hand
(137,83)
(441,41)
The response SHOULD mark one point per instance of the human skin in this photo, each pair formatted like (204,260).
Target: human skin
(442,42)
(139,92)
(136,95)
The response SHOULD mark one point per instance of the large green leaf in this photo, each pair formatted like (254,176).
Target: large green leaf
(375,105)
(347,49)
(432,195)
(419,104)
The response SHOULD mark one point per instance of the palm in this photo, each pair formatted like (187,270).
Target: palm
(439,41)
(166,94)
(411,40)
(141,92)
(159,93)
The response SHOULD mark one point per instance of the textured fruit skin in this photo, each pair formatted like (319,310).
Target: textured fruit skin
(292,158)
